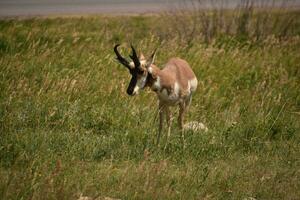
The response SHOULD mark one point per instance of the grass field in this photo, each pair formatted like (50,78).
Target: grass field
(69,129)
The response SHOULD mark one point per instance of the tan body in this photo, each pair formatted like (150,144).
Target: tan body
(174,85)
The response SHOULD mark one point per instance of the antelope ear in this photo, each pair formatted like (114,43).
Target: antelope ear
(151,72)
(152,58)
(142,57)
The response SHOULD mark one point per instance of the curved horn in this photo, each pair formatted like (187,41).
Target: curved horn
(120,58)
(135,58)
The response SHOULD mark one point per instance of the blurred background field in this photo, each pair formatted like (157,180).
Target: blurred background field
(69,129)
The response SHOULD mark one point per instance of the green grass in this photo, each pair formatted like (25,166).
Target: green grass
(68,128)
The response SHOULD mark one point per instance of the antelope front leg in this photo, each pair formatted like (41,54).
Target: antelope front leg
(182,110)
(161,120)
(169,122)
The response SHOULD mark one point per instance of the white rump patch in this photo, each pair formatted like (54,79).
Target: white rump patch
(195,126)
(176,89)
(193,84)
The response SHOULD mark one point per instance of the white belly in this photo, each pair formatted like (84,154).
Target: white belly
(175,96)
(168,98)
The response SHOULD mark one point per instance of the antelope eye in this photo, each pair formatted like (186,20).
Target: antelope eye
(141,72)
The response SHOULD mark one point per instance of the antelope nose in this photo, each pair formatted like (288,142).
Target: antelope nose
(130,91)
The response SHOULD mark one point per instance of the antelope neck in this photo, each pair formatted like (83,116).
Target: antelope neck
(153,78)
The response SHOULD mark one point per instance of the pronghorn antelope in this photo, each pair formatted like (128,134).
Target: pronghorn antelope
(174,84)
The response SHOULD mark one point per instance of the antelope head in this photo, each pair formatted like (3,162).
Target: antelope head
(138,68)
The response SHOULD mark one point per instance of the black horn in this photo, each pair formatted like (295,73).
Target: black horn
(135,58)
(120,58)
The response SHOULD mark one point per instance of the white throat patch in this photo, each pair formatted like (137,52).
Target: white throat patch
(156,85)
(140,84)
